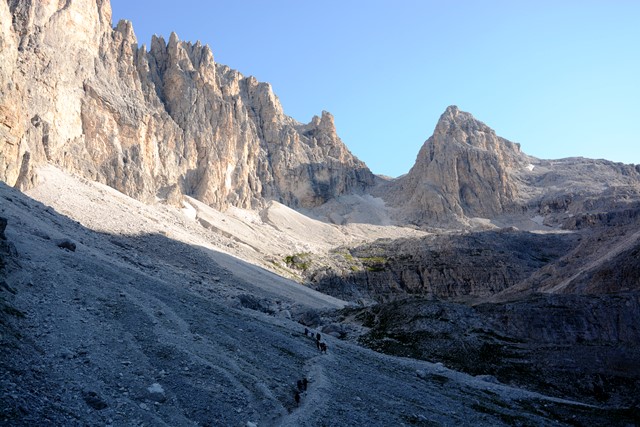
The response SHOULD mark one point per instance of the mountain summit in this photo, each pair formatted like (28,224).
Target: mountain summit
(154,123)
(463,169)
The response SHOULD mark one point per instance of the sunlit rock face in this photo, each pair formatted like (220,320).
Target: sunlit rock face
(83,95)
(463,169)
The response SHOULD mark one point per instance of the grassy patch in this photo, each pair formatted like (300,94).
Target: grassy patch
(374,263)
(347,256)
(300,261)
(373,260)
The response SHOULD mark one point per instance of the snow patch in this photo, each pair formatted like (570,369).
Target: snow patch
(189,211)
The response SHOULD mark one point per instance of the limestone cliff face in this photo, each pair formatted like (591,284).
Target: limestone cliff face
(80,94)
(463,169)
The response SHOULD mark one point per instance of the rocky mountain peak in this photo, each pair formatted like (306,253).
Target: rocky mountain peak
(451,114)
(325,123)
(463,170)
(125,28)
(151,123)
(459,127)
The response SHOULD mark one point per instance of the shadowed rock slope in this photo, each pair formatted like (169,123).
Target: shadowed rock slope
(604,262)
(140,328)
(600,257)
(452,266)
(566,320)
(581,346)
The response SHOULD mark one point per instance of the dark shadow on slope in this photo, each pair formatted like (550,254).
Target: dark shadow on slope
(570,346)
(165,320)
(451,266)
(93,328)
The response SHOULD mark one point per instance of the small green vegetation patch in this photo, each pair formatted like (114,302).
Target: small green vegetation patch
(300,261)
(374,263)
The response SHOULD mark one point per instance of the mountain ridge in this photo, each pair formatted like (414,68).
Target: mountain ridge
(170,121)
(167,202)
(150,123)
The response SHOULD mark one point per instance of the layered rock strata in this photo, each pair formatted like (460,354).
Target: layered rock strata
(449,266)
(577,346)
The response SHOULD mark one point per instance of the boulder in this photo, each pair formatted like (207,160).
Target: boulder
(66,244)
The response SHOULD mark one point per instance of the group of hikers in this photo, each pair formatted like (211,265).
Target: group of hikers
(322,346)
(301,388)
(301,385)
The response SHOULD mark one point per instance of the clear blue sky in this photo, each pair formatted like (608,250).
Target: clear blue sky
(562,78)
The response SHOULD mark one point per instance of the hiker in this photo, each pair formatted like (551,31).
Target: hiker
(318,336)
(306,332)
(323,347)
(305,382)
(318,344)
(297,398)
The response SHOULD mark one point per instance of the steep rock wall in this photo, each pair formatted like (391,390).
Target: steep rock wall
(579,346)
(82,95)
(463,169)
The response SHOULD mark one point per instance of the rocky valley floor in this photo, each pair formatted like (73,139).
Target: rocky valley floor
(120,313)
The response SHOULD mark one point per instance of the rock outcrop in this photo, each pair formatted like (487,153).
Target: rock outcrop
(577,346)
(604,262)
(148,122)
(449,266)
(463,170)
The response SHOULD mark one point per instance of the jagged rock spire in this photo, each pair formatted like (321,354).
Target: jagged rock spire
(463,169)
(152,122)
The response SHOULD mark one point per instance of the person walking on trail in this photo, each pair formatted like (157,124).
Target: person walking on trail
(297,398)
(323,347)
(317,336)
(305,382)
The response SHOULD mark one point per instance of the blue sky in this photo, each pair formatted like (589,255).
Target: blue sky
(562,78)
